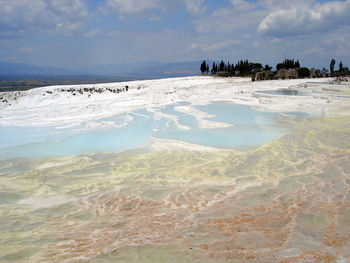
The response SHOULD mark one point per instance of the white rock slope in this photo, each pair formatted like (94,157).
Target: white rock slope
(63,106)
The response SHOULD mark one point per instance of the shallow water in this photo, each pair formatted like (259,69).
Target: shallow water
(285,92)
(250,129)
(286,201)
(77,141)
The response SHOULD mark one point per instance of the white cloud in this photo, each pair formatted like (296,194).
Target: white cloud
(307,19)
(242,5)
(92,33)
(220,45)
(215,46)
(194,6)
(275,40)
(229,21)
(164,45)
(193,46)
(224,30)
(155,18)
(315,50)
(18,17)
(26,49)
(275,5)
(130,7)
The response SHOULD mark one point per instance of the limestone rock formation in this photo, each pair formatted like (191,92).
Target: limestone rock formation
(264,75)
(313,73)
(287,74)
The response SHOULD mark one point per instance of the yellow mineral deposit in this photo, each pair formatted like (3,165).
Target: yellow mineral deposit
(286,201)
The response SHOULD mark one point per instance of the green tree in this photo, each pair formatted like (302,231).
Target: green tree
(232,69)
(256,67)
(222,66)
(288,63)
(304,72)
(279,66)
(214,69)
(331,66)
(207,69)
(228,66)
(204,67)
(341,68)
(267,67)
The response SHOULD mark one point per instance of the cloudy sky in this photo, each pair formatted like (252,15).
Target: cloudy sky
(76,33)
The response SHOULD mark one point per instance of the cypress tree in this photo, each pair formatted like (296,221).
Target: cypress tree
(341,69)
(214,68)
(331,66)
(222,66)
(204,67)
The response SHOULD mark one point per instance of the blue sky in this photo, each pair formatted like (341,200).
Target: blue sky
(79,33)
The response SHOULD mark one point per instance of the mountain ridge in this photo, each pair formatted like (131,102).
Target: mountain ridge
(135,70)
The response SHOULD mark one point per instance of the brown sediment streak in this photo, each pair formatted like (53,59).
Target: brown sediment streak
(287,201)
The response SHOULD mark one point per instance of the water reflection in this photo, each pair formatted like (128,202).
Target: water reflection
(286,92)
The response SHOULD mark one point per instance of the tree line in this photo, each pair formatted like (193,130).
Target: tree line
(247,68)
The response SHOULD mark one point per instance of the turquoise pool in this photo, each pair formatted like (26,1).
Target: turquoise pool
(250,129)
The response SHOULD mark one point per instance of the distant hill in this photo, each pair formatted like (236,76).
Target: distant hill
(144,70)
(117,69)
(20,69)
(167,70)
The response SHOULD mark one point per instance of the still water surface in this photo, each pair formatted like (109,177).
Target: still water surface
(250,129)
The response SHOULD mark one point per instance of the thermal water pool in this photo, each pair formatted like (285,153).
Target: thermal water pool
(286,201)
(248,128)
(285,92)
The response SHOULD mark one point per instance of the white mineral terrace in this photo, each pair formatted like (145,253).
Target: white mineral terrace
(67,196)
(65,106)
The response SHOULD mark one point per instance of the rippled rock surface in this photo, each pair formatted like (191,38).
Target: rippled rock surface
(286,201)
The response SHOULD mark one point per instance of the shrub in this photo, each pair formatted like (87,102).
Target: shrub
(304,72)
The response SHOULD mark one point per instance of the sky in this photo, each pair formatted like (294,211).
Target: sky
(79,33)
